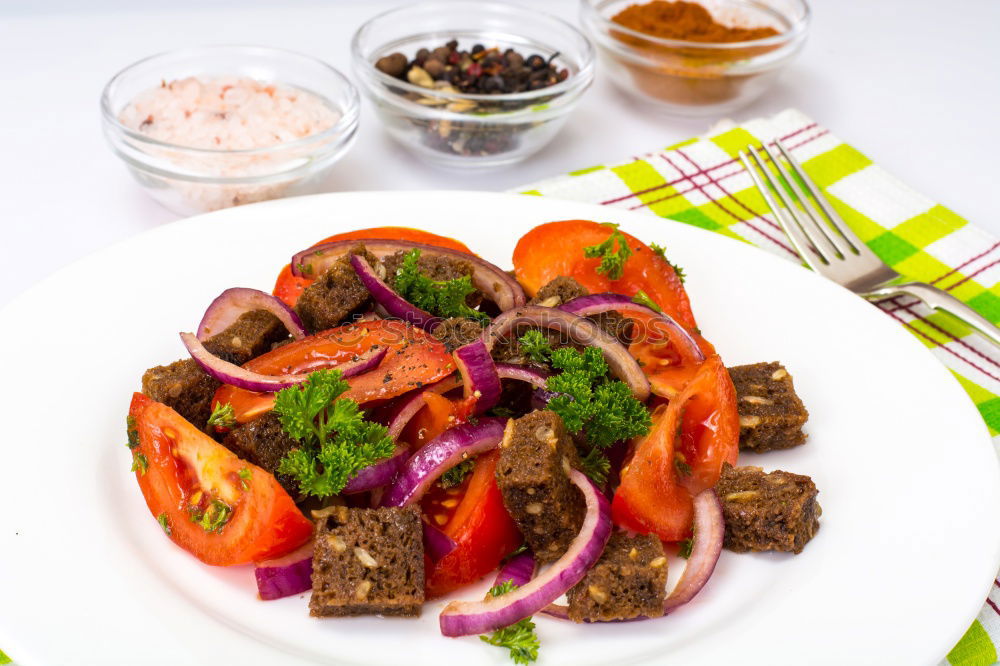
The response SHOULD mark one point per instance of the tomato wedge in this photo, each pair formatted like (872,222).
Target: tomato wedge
(710,426)
(556,248)
(219,508)
(288,287)
(483,531)
(666,470)
(415,358)
(438,415)
(649,499)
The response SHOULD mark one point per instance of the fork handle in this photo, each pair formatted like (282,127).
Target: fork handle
(940,300)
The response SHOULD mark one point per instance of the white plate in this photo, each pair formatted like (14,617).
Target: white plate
(909,482)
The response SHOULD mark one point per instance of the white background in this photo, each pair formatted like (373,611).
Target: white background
(913,83)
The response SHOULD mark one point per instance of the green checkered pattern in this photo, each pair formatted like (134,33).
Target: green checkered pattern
(700,182)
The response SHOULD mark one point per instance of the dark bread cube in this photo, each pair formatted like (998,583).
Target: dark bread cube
(368,562)
(773,511)
(535,456)
(628,581)
(558,291)
(457,331)
(439,269)
(264,443)
(335,295)
(771,414)
(253,334)
(184,387)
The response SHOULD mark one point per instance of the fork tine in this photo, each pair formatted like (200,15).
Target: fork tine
(835,219)
(825,251)
(799,240)
(821,235)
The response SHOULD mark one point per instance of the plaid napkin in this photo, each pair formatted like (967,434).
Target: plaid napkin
(701,182)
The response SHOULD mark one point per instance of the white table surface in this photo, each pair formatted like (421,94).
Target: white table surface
(916,88)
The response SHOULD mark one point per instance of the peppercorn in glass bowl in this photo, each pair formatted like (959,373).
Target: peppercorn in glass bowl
(472,84)
(695,58)
(219,126)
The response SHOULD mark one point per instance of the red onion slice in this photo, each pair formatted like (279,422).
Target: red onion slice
(479,374)
(229,373)
(597,303)
(441,454)
(437,544)
(518,570)
(709,530)
(462,618)
(706,546)
(230,304)
(580,330)
(378,474)
(534,376)
(414,402)
(496,284)
(393,304)
(286,575)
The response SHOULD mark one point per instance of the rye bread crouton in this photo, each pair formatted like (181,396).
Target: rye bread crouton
(368,562)
(264,443)
(184,387)
(773,511)
(563,289)
(336,294)
(253,334)
(535,456)
(558,291)
(771,414)
(628,581)
(457,331)
(439,269)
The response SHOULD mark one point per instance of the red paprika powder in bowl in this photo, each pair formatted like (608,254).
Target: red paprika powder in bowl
(696,58)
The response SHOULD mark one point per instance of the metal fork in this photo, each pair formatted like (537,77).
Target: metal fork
(833,250)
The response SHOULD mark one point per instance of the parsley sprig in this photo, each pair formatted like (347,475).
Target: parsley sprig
(337,441)
(642,298)
(223,416)
(661,252)
(519,638)
(443,298)
(456,475)
(588,400)
(612,258)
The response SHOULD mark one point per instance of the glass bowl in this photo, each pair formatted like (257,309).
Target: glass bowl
(690,78)
(471,130)
(194,180)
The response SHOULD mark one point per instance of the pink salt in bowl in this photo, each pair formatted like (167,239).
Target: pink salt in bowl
(218,126)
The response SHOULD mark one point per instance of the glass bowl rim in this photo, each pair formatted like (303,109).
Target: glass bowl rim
(798,29)
(349,114)
(580,79)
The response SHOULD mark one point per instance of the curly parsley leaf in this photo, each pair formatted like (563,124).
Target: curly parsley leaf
(661,252)
(139,463)
(456,475)
(642,298)
(223,416)
(519,638)
(596,465)
(164,523)
(588,400)
(213,518)
(132,430)
(685,548)
(337,441)
(613,253)
(443,298)
(535,346)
